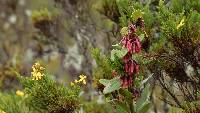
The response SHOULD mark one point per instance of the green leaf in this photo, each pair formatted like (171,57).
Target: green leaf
(127,95)
(121,107)
(104,81)
(143,99)
(145,108)
(110,85)
(118,53)
(141,37)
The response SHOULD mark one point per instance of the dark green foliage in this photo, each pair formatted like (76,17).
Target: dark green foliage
(103,69)
(117,65)
(176,44)
(95,107)
(46,95)
(110,10)
(171,44)
(178,39)
(11,103)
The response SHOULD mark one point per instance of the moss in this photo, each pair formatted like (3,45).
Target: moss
(41,15)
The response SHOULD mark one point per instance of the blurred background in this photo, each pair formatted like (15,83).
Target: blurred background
(58,33)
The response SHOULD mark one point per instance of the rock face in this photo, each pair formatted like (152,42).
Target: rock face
(65,41)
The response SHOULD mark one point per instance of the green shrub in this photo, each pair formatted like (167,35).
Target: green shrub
(42,95)
(45,94)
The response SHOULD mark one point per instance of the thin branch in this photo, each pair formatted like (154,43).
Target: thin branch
(170,93)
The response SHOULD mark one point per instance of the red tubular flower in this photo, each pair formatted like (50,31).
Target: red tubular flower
(127,68)
(130,46)
(130,80)
(133,45)
(127,57)
(137,67)
(131,67)
(126,81)
(124,41)
(137,45)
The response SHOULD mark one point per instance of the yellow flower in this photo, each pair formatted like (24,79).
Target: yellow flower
(76,81)
(37,76)
(1,111)
(19,93)
(82,79)
(72,84)
(38,71)
(42,68)
(181,23)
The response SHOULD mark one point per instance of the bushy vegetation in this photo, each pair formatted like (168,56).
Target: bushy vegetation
(42,94)
(149,54)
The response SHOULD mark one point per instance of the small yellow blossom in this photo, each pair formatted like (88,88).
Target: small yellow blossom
(19,93)
(76,81)
(82,77)
(81,80)
(84,82)
(37,76)
(38,71)
(182,22)
(72,84)
(1,111)
(42,68)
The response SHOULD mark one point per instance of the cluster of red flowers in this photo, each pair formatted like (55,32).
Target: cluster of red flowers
(132,43)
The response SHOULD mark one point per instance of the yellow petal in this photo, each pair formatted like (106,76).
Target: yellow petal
(72,84)
(82,76)
(2,111)
(76,81)
(84,82)
(19,93)
(42,68)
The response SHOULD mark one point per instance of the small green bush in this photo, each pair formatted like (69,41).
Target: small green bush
(42,95)
(45,94)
